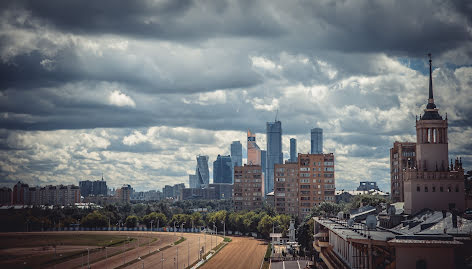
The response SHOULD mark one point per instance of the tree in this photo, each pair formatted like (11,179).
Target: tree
(265,226)
(327,209)
(305,236)
(131,221)
(157,218)
(94,219)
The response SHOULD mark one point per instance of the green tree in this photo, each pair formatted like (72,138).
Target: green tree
(157,218)
(131,221)
(94,219)
(265,226)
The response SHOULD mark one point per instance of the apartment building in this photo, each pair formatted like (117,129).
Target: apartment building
(402,156)
(286,188)
(316,181)
(248,187)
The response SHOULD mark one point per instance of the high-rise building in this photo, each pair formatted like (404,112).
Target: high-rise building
(274,153)
(253,150)
(402,156)
(222,169)
(316,141)
(5,196)
(123,195)
(97,187)
(202,172)
(431,183)
(263,160)
(248,188)
(168,191)
(286,188)
(316,181)
(293,150)
(192,181)
(237,153)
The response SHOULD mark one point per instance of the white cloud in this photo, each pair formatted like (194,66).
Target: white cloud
(118,98)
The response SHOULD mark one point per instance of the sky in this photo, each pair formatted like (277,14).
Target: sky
(136,89)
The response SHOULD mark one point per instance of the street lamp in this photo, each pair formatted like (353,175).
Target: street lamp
(224,228)
(182,229)
(174,228)
(151,224)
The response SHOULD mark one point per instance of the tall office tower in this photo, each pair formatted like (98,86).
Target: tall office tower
(202,172)
(263,161)
(293,150)
(192,181)
(286,188)
(316,181)
(431,183)
(402,156)
(222,169)
(253,150)
(237,153)
(248,188)
(316,141)
(274,153)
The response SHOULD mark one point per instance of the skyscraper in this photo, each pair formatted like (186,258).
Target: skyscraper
(222,170)
(293,150)
(274,153)
(192,181)
(263,161)
(237,153)
(202,172)
(253,150)
(316,141)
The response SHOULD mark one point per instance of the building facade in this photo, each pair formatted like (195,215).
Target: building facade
(248,188)
(5,196)
(293,150)
(402,156)
(96,188)
(316,181)
(286,188)
(253,150)
(432,183)
(274,153)
(192,181)
(237,153)
(202,172)
(222,170)
(368,186)
(316,141)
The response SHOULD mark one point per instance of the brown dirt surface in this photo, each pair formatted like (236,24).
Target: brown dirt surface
(240,253)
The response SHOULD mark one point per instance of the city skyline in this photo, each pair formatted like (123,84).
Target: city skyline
(138,97)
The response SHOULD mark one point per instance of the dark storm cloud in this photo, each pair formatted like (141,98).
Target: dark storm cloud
(174,20)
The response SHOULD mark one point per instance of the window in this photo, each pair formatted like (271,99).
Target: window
(457,188)
(305,169)
(434,188)
(304,186)
(425,188)
(441,189)
(329,169)
(418,188)
(304,174)
(280,179)
(448,188)
(304,180)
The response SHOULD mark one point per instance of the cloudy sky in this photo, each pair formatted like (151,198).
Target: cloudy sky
(136,89)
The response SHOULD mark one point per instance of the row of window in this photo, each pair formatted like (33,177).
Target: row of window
(433,188)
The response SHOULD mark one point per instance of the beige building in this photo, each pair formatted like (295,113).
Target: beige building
(316,181)
(402,156)
(123,195)
(253,150)
(286,188)
(248,188)
(432,183)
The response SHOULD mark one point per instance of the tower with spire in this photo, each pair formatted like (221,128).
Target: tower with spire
(431,183)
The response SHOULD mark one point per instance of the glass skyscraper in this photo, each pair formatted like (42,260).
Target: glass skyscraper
(316,141)
(237,153)
(223,170)
(274,153)
(293,150)
(202,172)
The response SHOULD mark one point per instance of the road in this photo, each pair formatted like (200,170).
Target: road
(240,253)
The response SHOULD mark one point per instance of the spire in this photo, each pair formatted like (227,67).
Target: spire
(431,104)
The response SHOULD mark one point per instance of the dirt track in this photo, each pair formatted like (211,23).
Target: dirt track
(240,253)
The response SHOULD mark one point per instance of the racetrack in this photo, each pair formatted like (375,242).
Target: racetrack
(240,253)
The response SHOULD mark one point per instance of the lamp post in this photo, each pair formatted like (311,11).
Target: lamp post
(177,257)
(151,224)
(88,258)
(224,228)
(174,228)
(182,229)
